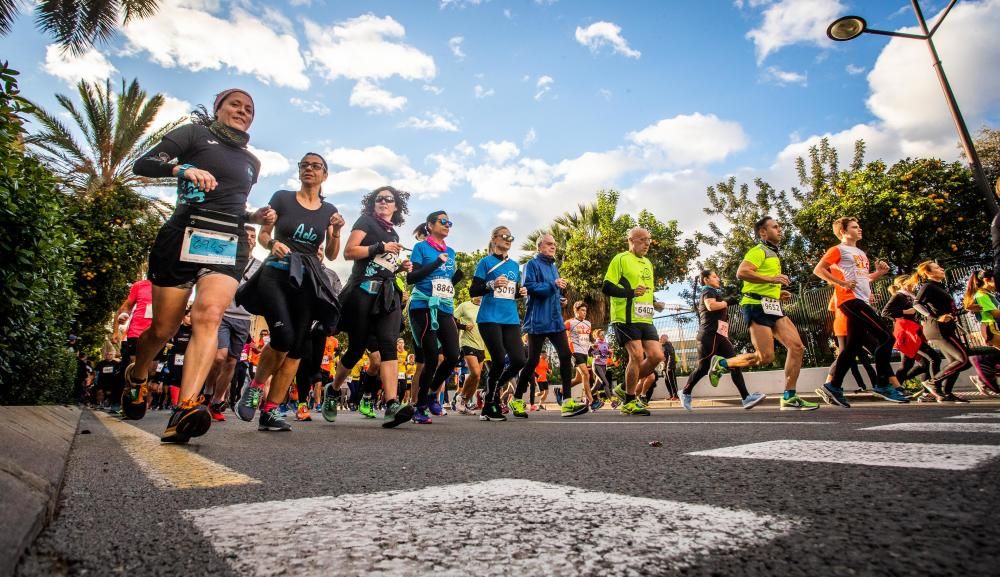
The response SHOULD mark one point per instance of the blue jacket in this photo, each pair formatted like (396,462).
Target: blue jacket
(543,309)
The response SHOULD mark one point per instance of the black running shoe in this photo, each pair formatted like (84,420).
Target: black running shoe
(134,396)
(396,414)
(272,421)
(492,412)
(189,419)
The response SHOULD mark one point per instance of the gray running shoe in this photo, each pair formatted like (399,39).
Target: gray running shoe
(249,402)
(753,399)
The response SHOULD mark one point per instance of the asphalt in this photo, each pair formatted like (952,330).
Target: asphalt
(805,517)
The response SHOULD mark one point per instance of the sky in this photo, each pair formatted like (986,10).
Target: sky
(513,112)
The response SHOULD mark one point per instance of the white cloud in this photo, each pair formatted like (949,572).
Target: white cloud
(481,92)
(508,14)
(369,168)
(676,195)
(430,121)
(507,215)
(172,109)
(455,45)
(300,2)
(794,21)
(693,139)
(309,106)
(542,86)
(366,47)
(529,138)
(460,3)
(91,66)
(500,152)
(605,94)
(180,34)
(435,90)
(784,77)
(604,33)
(854,70)
(368,95)
(271,163)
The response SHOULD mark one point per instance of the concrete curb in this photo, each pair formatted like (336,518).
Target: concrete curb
(34,447)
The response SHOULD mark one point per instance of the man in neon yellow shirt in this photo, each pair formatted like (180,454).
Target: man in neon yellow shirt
(763,280)
(629,282)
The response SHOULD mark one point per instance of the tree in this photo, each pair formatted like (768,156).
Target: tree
(591,237)
(117,224)
(37,301)
(987,143)
(78,25)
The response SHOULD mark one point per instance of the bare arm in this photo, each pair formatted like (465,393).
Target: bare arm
(353,250)
(714,305)
(822,270)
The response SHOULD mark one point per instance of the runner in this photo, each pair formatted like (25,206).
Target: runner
(543,320)
(941,329)
(214,172)
(578,329)
(109,376)
(713,340)
(669,367)
(292,289)
(981,291)
(371,298)
(629,282)
(432,306)
(601,353)
(473,352)
(762,291)
(840,338)
(918,356)
(176,351)
(138,309)
(496,280)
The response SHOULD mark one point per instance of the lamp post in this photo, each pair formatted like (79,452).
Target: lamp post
(850,27)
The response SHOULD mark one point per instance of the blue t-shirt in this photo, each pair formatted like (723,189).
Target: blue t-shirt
(500,305)
(424,253)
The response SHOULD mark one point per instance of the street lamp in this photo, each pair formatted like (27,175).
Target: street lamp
(850,27)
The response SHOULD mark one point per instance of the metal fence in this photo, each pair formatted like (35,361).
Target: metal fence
(810,310)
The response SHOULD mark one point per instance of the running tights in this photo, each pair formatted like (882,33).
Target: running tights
(602,380)
(943,336)
(863,359)
(309,371)
(287,310)
(561,344)
(863,330)
(364,325)
(709,346)
(502,341)
(434,374)
(926,363)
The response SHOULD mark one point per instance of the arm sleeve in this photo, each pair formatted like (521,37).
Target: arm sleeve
(535,283)
(478,287)
(612,290)
(923,303)
(419,274)
(458,277)
(157,163)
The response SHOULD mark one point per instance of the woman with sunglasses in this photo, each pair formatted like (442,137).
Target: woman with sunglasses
(291,290)
(496,280)
(372,298)
(432,309)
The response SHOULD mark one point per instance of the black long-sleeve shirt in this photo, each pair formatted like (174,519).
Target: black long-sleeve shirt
(897,304)
(936,299)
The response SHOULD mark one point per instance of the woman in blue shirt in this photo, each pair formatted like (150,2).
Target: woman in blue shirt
(432,306)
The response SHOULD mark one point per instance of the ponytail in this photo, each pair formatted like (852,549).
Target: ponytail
(976,283)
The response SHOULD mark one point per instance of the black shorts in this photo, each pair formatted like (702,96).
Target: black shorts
(634,332)
(579,359)
(543,386)
(167,270)
(754,314)
(473,352)
(129,347)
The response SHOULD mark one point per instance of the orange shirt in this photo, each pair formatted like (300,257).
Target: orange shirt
(328,353)
(839,319)
(254,357)
(542,370)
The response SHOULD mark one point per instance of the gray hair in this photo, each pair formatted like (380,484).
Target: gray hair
(635,229)
(538,243)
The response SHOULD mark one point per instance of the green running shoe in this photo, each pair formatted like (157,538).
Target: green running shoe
(517,408)
(330,400)
(367,407)
(635,408)
(619,391)
(570,408)
(797,403)
(396,414)
(716,371)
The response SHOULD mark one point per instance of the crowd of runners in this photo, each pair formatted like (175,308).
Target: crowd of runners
(188,344)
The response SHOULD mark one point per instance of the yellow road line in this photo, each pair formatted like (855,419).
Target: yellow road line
(171,466)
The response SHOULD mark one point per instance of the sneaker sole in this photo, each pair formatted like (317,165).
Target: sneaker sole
(753,404)
(403,415)
(575,413)
(832,399)
(195,424)
(486,418)
(889,398)
(270,429)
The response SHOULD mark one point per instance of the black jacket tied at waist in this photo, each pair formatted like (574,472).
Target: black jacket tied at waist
(305,273)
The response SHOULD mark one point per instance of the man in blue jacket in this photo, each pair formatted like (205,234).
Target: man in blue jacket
(543,320)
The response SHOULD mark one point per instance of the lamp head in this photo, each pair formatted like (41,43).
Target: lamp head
(846,28)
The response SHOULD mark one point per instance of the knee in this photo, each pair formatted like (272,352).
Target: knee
(765,358)
(656,357)
(796,349)
(222,356)
(209,315)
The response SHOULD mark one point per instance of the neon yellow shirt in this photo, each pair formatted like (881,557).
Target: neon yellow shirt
(768,263)
(629,271)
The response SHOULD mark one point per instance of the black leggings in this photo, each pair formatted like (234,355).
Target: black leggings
(364,325)
(602,380)
(427,338)
(309,371)
(925,363)
(863,330)
(561,344)
(863,359)
(710,345)
(287,310)
(501,341)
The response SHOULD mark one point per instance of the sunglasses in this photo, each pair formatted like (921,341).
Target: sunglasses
(445,222)
(506,237)
(385,199)
(311,166)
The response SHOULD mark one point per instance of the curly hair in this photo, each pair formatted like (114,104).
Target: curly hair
(368,203)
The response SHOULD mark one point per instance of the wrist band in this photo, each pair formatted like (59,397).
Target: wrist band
(183,168)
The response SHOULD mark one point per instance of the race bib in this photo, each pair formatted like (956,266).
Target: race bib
(402,376)
(178,360)
(771,306)
(108,370)
(149,311)
(643,310)
(209,247)
(244,356)
(723,329)
(442,288)
(387,260)
(505,292)
(326,360)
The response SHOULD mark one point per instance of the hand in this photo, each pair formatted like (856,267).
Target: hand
(974,308)
(563,301)
(263,215)
(881,266)
(945,318)
(406,265)
(523,291)
(561,283)
(640,290)
(443,257)
(501,281)
(659,306)
(393,247)
(786,296)
(337,221)
(203,179)
(781,279)
(849,284)
(279,250)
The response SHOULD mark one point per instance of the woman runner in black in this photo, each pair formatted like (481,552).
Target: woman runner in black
(918,356)
(713,339)
(203,244)
(941,329)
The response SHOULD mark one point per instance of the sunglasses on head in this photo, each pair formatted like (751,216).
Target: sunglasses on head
(385,199)
(445,222)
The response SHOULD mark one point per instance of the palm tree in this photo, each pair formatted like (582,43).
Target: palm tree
(115,129)
(77,25)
